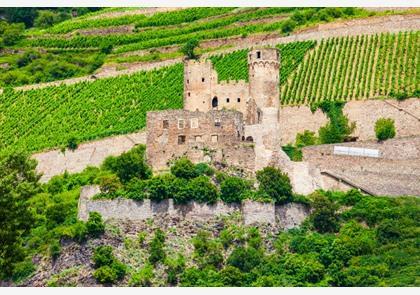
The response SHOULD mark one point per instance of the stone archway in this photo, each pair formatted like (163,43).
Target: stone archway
(214,102)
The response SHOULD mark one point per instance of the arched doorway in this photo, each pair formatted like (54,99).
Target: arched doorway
(249,139)
(214,102)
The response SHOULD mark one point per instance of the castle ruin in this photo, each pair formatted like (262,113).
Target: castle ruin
(231,123)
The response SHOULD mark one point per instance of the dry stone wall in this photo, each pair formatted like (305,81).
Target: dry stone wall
(93,153)
(405,113)
(287,216)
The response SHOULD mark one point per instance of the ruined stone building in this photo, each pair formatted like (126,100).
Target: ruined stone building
(236,123)
(241,124)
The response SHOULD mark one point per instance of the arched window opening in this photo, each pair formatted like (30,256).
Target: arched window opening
(214,102)
(250,139)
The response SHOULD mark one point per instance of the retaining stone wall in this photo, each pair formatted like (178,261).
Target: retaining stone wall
(288,216)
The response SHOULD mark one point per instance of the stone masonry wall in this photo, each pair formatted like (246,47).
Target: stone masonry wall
(365,113)
(288,216)
(93,153)
(215,136)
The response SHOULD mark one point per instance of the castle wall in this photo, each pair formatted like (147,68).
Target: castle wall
(214,136)
(365,113)
(395,172)
(287,216)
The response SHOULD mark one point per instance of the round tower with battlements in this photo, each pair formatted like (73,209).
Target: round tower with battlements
(264,64)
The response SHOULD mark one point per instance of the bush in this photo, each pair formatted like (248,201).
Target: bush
(129,165)
(306,138)
(160,187)
(204,169)
(233,188)
(384,129)
(288,26)
(207,252)
(55,249)
(157,253)
(109,184)
(105,275)
(72,143)
(142,278)
(202,190)
(245,258)
(184,168)
(108,268)
(188,48)
(231,276)
(175,267)
(324,216)
(95,226)
(275,184)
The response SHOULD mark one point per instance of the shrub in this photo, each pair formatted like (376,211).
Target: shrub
(306,138)
(204,169)
(324,217)
(103,256)
(109,184)
(202,190)
(72,143)
(207,252)
(55,249)
(175,267)
(108,268)
(188,48)
(233,188)
(142,278)
(245,258)
(184,168)
(231,276)
(157,253)
(288,26)
(105,275)
(160,187)
(129,165)
(384,128)
(95,226)
(275,184)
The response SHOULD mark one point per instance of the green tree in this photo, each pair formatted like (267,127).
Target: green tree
(275,184)
(384,128)
(184,168)
(188,48)
(129,165)
(95,226)
(324,216)
(18,183)
(245,258)
(202,190)
(233,188)
(157,252)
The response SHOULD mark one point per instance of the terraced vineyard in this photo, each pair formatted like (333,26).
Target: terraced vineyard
(357,67)
(45,118)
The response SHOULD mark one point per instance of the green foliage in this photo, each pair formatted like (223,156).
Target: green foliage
(72,143)
(48,18)
(202,190)
(95,226)
(184,168)
(109,184)
(204,169)
(338,128)
(143,278)
(120,109)
(175,266)
(207,251)
(108,268)
(233,188)
(10,34)
(324,216)
(55,249)
(245,258)
(18,183)
(329,73)
(188,48)
(384,129)
(129,165)
(157,252)
(275,184)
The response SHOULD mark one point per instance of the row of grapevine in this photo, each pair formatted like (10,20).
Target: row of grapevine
(150,34)
(44,118)
(157,19)
(234,66)
(356,67)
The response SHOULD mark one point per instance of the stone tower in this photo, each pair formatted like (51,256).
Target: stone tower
(264,64)
(198,80)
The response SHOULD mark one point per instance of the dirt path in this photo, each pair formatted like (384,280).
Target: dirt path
(146,11)
(373,25)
